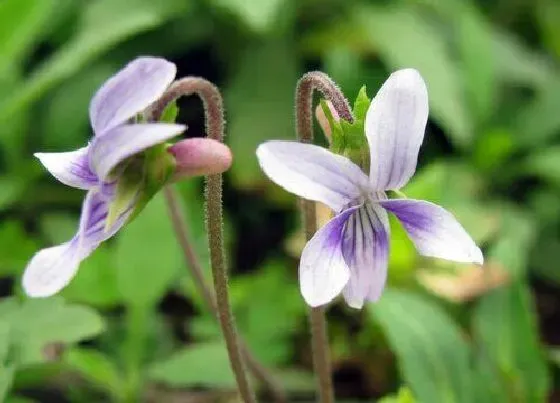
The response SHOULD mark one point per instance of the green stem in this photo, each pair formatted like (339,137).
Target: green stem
(212,101)
(304,126)
(193,263)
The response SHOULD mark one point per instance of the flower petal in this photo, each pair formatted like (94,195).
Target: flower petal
(70,168)
(200,156)
(51,269)
(366,252)
(109,150)
(434,230)
(322,270)
(312,172)
(394,126)
(129,92)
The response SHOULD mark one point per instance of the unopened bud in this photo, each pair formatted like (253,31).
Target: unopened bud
(323,121)
(199,156)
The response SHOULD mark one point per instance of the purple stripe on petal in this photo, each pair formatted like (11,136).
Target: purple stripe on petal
(71,168)
(365,249)
(434,231)
(129,92)
(322,270)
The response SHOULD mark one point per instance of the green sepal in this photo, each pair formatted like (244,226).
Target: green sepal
(349,139)
(337,134)
(170,113)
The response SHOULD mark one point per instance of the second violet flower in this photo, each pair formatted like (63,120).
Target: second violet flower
(350,253)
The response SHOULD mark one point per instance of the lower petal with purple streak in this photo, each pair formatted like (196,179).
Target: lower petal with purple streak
(323,272)
(365,248)
(434,230)
(51,269)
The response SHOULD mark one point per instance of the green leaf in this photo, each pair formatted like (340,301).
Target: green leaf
(433,356)
(204,364)
(96,281)
(38,322)
(539,121)
(95,367)
(512,248)
(120,19)
(477,53)
(6,379)
(21,22)
(14,239)
(405,39)
(544,163)
(147,255)
(260,16)
(504,324)
(262,109)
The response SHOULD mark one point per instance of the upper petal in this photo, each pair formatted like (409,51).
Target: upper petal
(394,126)
(108,150)
(130,91)
(434,231)
(365,248)
(322,270)
(51,269)
(71,168)
(312,172)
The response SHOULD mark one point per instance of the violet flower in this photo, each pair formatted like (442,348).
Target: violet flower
(100,167)
(350,253)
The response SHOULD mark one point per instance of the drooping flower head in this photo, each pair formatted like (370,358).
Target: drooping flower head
(124,164)
(350,253)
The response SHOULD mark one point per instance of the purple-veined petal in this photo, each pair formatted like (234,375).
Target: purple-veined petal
(365,248)
(323,272)
(108,150)
(129,92)
(312,172)
(394,126)
(434,230)
(71,168)
(51,269)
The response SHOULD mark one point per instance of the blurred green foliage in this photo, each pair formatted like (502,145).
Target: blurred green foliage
(131,326)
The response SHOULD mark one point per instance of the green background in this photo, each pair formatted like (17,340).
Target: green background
(131,326)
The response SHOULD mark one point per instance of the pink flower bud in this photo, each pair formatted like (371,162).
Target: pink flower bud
(200,156)
(323,121)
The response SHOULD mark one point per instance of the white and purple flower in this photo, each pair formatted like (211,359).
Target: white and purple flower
(350,253)
(109,162)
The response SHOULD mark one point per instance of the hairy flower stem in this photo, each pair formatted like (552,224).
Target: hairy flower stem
(253,364)
(310,82)
(212,101)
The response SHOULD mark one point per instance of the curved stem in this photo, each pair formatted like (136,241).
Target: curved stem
(212,101)
(254,365)
(310,82)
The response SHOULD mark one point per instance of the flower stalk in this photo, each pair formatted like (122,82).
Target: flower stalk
(306,86)
(212,102)
(257,368)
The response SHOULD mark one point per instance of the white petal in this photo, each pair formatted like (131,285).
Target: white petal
(366,252)
(51,269)
(109,150)
(394,125)
(434,230)
(322,270)
(129,92)
(70,168)
(312,172)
